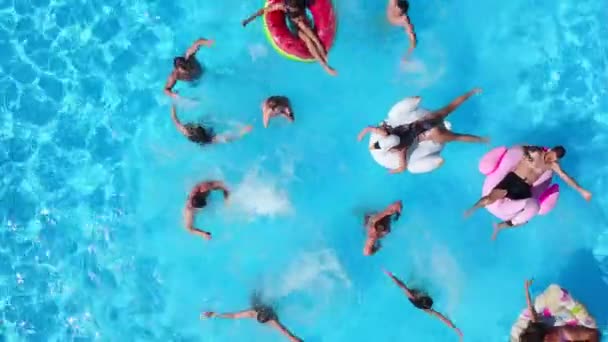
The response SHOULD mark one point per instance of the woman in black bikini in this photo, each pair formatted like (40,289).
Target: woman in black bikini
(296,13)
(429,127)
(378,225)
(276,106)
(204,135)
(263,313)
(186,68)
(423,302)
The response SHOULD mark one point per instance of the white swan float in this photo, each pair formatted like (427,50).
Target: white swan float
(422,156)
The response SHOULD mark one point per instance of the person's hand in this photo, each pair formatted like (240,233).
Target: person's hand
(586,195)
(207,314)
(226,194)
(528,283)
(245,22)
(209,42)
(205,235)
(388,273)
(476,91)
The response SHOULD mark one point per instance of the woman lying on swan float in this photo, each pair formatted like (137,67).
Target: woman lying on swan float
(412,137)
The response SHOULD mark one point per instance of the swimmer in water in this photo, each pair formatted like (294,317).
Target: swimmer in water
(396,13)
(430,127)
(262,313)
(186,68)
(517,185)
(423,302)
(197,200)
(276,106)
(378,225)
(295,11)
(204,135)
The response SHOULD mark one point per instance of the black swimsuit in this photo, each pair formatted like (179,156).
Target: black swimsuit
(516,187)
(265,313)
(421,300)
(410,132)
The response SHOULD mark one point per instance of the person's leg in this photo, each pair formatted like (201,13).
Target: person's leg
(490,198)
(313,51)
(305,27)
(442,136)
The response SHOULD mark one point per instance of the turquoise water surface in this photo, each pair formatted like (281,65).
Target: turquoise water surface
(95,176)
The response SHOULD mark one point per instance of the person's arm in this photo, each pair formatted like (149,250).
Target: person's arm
(409,30)
(529,303)
(233,315)
(189,223)
(393,208)
(400,284)
(275,7)
(196,45)
(180,127)
(446,321)
(171,80)
(227,137)
(570,181)
(371,129)
(219,185)
(453,105)
(283,329)
(370,243)
(402,153)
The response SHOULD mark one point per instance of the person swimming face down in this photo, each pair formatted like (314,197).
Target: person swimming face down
(199,134)
(188,69)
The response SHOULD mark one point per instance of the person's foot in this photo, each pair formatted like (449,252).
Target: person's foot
(476,90)
(206,236)
(497,228)
(246,129)
(469,212)
(330,70)
(207,314)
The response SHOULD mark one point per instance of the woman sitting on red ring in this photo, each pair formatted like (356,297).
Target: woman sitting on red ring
(296,13)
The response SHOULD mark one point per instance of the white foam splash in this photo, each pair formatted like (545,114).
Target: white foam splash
(260,196)
(319,272)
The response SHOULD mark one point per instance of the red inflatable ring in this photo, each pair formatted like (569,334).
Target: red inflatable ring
(290,45)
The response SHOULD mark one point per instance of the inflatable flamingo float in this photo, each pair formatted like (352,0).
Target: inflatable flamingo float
(496,164)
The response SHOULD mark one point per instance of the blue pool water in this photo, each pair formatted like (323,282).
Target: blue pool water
(94,175)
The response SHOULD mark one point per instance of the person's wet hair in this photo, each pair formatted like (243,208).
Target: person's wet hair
(199,200)
(265,313)
(534,332)
(425,302)
(560,151)
(180,62)
(403,5)
(199,134)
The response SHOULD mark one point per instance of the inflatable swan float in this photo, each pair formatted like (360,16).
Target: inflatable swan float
(422,156)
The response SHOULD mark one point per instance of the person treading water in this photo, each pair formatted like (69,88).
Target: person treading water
(378,225)
(429,127)
(276,106)
(186,68)
(517,184)
(197,200)
(259,311)
(396,13)
(204,135)
(295,11)
(423,302)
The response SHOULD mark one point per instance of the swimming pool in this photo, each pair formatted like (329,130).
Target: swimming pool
(94,176)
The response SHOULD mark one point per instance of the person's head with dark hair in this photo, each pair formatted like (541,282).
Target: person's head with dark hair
(560,151)
(199,134)
(534,332)
(421,300)
(187,68)
(403,5)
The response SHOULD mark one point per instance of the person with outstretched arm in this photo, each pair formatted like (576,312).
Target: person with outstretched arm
(397,14)
(378,225)
(186,68)
(517,185)
(429,127)
(204,135)
(197,200)
(262,313)
(295,10)
(423,302)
